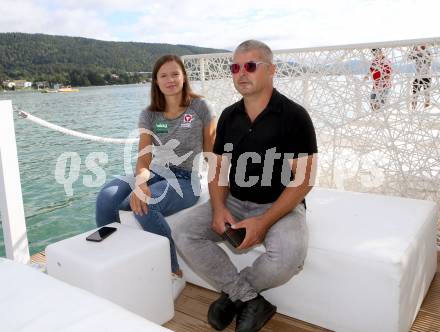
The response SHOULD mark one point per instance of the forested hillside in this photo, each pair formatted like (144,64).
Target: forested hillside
(80,61)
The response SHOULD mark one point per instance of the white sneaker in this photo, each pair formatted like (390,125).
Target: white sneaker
(178,284)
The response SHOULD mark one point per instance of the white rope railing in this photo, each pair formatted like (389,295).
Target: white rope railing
(70,132)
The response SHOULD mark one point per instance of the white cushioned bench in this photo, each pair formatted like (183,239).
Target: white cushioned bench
(31,301)
(370,261)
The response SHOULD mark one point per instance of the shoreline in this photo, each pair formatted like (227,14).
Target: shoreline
(74,87)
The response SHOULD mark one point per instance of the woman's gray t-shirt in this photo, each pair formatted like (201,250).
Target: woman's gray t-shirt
(178,141)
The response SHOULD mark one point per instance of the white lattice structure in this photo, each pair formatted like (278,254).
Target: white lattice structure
(394,149)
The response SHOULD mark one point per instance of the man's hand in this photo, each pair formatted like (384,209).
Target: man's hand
(220,217)
(256,231)
(139,198)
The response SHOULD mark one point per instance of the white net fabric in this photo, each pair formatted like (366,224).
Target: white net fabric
(376,110)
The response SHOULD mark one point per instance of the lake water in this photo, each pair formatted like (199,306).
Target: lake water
(112,111)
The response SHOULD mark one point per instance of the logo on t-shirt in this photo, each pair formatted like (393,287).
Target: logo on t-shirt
(161,128)
(187,119)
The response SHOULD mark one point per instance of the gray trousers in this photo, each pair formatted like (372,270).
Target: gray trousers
(286,248)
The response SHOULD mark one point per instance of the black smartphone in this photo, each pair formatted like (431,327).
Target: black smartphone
(101,234)
(234,236)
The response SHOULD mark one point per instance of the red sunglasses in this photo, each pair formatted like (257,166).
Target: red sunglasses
(250,67)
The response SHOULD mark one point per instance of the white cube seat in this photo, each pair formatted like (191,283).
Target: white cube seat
(370,261)
(32,301)
(131,268)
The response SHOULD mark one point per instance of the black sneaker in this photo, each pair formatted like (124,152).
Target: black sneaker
(221,312)
(253,314)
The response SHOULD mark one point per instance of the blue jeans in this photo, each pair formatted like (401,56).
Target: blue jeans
(115,196)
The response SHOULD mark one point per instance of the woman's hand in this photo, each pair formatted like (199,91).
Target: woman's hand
(139,199)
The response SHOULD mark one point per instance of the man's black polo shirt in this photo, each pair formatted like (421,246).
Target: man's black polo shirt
(283,127)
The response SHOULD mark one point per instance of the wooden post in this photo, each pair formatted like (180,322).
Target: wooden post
(11,200)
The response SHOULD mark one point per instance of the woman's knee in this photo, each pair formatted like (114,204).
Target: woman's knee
(113,192)
(170,202)
(105,195)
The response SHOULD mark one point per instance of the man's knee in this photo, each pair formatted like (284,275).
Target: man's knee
(179,234)
(192,225)
(287,258)
(182,230)
(288,265)
(279,272)
(294,265)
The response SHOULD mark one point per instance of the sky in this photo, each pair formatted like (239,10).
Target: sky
(282,24)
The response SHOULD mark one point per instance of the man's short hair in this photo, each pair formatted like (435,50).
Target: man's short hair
(251,45)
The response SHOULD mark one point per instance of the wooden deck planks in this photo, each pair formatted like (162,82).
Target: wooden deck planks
(192,306)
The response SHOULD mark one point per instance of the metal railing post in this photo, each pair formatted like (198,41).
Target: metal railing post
(11,199)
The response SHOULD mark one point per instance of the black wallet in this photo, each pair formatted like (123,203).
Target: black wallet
(234,236)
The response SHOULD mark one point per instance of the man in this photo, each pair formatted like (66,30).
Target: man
(423,60)
(261,196)
(380,70)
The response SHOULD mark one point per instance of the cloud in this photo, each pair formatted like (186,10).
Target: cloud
(223,24)
(33,17)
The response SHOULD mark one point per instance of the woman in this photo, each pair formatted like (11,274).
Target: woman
(180,125)
(380,72)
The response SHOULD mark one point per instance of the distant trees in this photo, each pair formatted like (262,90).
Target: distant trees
(80,61)
(96,78)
